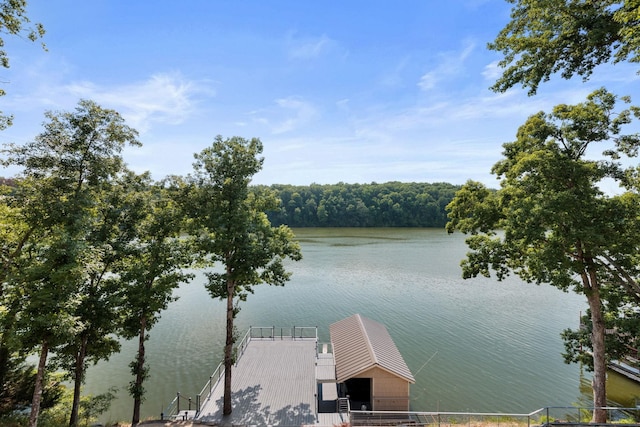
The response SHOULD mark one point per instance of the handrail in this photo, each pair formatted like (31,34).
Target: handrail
(171,408)
(294,332)
(302,334)
(174,407)
(218,373)
(240,348)
(271,334)
(537,415)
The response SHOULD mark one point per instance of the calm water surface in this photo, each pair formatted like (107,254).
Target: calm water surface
(472,345)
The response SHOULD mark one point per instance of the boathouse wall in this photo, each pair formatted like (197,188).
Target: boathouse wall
(389,392)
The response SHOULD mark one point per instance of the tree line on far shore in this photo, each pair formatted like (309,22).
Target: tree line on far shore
(391,204)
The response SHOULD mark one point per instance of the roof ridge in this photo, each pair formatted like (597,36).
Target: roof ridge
(372,354)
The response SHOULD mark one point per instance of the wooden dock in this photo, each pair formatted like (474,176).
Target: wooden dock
(275,382)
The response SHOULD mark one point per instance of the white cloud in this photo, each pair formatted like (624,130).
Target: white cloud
(449,65)
(492,71)
(429,80)
(163,98)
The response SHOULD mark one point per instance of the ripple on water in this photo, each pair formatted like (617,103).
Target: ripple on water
(475,345)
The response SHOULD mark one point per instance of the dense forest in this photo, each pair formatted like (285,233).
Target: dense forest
(392,204)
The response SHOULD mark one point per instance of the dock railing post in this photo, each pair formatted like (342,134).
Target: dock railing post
(547,416)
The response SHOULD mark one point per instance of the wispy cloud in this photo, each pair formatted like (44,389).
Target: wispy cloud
(309,47)
(449,65)
(492,71)
(286,115)
(394,77)
(163,98)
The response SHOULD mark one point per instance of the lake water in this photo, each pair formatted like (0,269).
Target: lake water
(473,345)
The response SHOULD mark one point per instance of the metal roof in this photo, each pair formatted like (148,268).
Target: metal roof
(360,344)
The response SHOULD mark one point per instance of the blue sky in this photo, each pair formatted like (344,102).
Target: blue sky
(350,91)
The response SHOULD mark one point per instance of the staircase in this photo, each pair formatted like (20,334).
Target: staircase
(343,405)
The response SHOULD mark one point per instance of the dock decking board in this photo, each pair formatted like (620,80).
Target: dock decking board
(273,384)
(326,368)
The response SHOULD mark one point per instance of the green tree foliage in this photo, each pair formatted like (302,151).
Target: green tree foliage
(64,174)
(231,228)
(89,409)
(571,37)
(15,22)
(153,267)
(550,222)
(116,215)
(392,204)
(17,390)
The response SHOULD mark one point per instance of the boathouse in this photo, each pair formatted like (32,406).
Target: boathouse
(369,367)
(285,377)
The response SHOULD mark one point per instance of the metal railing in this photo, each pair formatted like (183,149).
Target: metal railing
(548,416)
(432,419)
(176,406)
(558,415)
(173,410)
(241,347)
(273,333)
(208,387)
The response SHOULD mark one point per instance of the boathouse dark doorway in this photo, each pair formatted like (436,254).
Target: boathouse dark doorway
(359,391)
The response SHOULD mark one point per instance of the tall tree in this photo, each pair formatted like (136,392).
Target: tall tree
(116,216)
(14,232)
(232,229)
(63,171)
(17,238)
(571,37)
(147,276)
(14,21)
(550,222)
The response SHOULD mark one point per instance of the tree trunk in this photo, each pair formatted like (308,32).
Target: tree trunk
(140,374)
(37,391)
(78,380)
(228,350)
(599,360)
(4,362)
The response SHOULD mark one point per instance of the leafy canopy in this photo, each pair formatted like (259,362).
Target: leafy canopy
(550,215)
(571,37)
(15,22)
(236,229)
